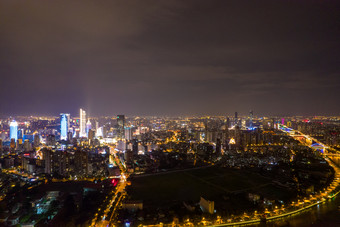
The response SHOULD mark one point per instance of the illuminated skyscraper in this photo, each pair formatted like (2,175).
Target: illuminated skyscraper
(120,126)
(13,130)
(82,123)
(251,119)
(99,132)
(64,125)
(128,133)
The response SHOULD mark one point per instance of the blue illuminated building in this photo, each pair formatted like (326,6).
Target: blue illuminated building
(28,137)
(64,125)
(13,130)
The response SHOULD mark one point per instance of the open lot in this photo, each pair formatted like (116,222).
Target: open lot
(212,182)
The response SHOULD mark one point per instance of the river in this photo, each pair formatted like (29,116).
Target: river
(325,214)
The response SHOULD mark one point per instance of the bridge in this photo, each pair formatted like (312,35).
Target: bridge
(309,141)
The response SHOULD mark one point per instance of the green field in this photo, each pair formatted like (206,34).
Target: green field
(212,182)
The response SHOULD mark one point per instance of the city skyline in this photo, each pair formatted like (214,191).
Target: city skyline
(166,113)
(113,115)
(198,171)
(170,58)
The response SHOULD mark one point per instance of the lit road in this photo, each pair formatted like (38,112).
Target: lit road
(107,219)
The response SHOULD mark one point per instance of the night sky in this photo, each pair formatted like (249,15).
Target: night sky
(170,57)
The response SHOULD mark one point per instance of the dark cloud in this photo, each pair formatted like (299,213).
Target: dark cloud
(170,57)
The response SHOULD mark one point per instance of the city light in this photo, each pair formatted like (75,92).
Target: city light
(169,114)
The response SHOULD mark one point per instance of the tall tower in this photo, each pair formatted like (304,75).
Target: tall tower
(120,126)
(64,125)
(82,123)
(251,119)
(13,130)
(236,119)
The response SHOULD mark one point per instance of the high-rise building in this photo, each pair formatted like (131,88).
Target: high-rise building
(135,146)
(218,146)
(60,163)
(128,156)
(50,140)
(237,135)
(91,134)
(251,119)
(47,156)
(128,133)
(99,132)
(88,127)
(12,144)
(69,136)
(236,119)
(27,145)
(105,131)
(13,130)
(20,133)
(18,143)
(226,132)
(64,125)
(36,140)
(82,123)
(120,126)
(81,162)
(243,123)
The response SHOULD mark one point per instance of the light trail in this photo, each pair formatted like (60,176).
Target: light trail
(116,199)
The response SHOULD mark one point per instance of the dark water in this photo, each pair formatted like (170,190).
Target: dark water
(325,214)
